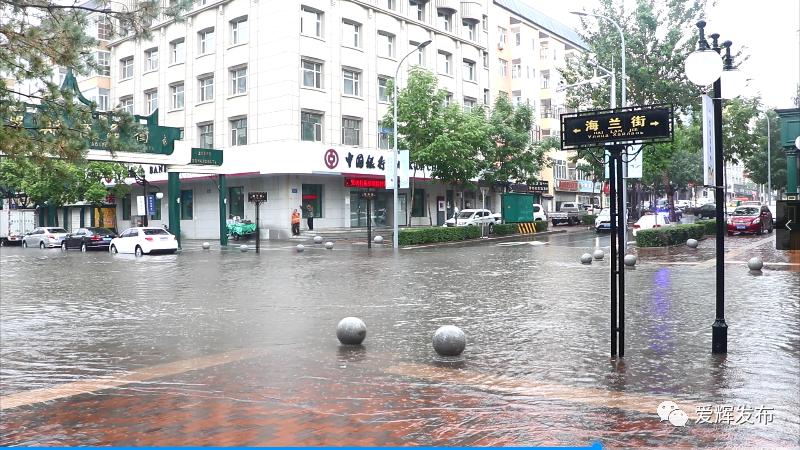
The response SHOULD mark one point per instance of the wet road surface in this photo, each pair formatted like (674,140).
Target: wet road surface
(229,348)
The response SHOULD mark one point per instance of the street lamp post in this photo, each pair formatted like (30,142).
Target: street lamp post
(703,67)
(396,203)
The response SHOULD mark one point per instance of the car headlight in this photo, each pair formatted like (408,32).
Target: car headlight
(756,220)
(730,222)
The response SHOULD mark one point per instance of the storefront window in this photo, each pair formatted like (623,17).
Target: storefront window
(312,195)
(187,205)
(418,206)
(126,207)
(157,208)
(236,201)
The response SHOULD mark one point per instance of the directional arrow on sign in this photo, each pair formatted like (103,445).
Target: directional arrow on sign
(787,225)
(654,123)
(576,130)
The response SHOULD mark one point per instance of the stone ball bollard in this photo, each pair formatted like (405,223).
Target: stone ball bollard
(378,239)
(755,263)
(206,246)
(692,243)
(586,258)
(351,331)
(599,254)
(630,260)
(318,239)
(329,245)
(449,340)
(300,248)
(243,248)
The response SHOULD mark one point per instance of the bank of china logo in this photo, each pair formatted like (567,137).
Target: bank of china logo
(669,411)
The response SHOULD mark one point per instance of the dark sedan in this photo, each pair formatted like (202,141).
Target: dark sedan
(709,210)
(88,238)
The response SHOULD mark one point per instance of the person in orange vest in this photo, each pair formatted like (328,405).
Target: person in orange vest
(295,223)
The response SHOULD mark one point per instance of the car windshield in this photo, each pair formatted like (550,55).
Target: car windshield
(56,230)
(465,214)
(745,211)
(153,231)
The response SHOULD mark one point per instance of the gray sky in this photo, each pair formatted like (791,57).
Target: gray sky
(768,29)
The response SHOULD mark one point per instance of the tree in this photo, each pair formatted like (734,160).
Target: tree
(755,161)
(511,155)
(35,37)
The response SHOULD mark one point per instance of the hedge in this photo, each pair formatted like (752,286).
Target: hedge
(504,229)
(671,235)
(588,219)
(710,225)
(541,225)
(413,236)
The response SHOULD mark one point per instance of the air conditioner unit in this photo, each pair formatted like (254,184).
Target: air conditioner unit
(500,45)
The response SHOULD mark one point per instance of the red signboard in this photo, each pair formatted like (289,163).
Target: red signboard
(568,185)
(373,183)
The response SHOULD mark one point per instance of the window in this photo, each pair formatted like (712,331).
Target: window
(391,4)
(104,63)
(311,126)
(236,201)
(151,60)
(448,98)
(469,70)
(312,74)
(351,34)
(516,69)
(151,101)
(383,92)
(543,50)
(384,134)
(238,78)
(486,97)
(418,204)
(560,169)
(205,41)
(126,104)
(417,9)
(485,23)
(177,51)
(546,109)
(385,44)
(420,53)
(545,79)
(126,68)
(352,82)
(502,66)
(239,131)
(310,22)
(517,38)
(312,195)
(102,99)
(469,103)
(351,131)
(501,35)
(176,96)
(445,63)
(206,88)
(486,60)
(187,205)
(104,28)
(206,131)
(239,30)
(156,213)
(126,207)
(516,96)
(469,30)
(445,20)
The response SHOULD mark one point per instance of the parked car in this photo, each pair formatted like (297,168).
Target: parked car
(144,240)
(88,238)
(683,204)
(603,220)
(44,237)
(750,219)
(471,217)
(569,212)
(649,221)
(708,211)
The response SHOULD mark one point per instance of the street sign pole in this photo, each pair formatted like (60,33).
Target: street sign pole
(612,191)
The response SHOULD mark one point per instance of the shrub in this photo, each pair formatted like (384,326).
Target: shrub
(540,225)
(413,236)
(672,235)
(710,226)
(588,219)
(504,229)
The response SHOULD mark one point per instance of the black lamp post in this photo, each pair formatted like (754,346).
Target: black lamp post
(703,67)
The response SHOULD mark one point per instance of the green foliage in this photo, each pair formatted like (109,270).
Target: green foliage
(671,235)
(541,225)
(39,35)
(427,235)
(710,226)
(588,219)
(755,161)
(739,138)
(504,229)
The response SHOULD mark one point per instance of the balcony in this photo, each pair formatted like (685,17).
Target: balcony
(471,11)
(451,5)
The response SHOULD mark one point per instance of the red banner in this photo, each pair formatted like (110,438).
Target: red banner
(568,185)
(372,183)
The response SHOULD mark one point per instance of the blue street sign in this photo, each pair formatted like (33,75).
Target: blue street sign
(151,204)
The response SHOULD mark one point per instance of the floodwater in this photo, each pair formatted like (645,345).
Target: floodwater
(536,370)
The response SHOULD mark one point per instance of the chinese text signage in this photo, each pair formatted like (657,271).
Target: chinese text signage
(256,197)
(374,183)
(206,157)
(629,125)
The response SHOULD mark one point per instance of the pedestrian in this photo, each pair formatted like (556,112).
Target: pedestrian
(295,222)
(310,211)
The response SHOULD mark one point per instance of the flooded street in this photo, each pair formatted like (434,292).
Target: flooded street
(230,348)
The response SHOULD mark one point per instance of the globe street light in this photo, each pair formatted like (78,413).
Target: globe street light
(396,231)
(703,67)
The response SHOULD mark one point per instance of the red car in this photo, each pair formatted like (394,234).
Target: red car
(750,219)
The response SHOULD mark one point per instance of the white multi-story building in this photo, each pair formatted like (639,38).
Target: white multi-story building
(294,94)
